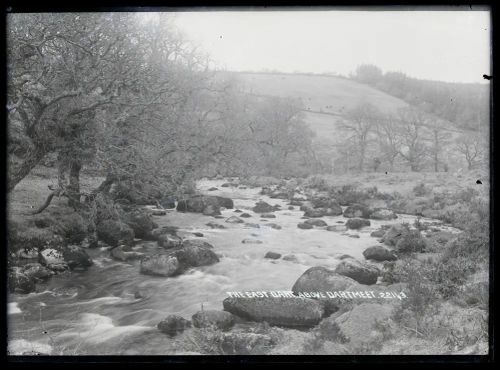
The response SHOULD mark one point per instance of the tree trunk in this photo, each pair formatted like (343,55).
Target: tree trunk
(33,157)
(74,184)
(361,159)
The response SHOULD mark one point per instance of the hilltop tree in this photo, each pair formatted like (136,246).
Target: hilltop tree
(369,74)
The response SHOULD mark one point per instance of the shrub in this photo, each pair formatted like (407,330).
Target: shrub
(317,182)
(420,190)
(349,194)
(411,242)
(72,228)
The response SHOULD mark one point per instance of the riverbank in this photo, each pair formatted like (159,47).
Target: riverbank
(111,307)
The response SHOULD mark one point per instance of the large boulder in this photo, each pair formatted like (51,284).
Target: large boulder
(121,254)
(225,202)
(362,273)
(234,220)
(140,222)
(263,207)
(191,255)
(383,214)
(19,282)
(211,210)
(359,326)
(282,311)
(379,253)
(272,255)
(316,222)
(76,257)
(378,233)
(324,202)
(173,325)
(357,223)
(320,212)
(169,241)
(304,226)
(36,271)
(115,232)
(321,279)
(160,265)
(395,232)
(213,318)
(51,256)
(197,243)
(357,210)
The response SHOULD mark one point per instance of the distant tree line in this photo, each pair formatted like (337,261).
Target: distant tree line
(464,104)
(412,137)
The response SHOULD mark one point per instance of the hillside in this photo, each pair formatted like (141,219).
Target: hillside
(326,98)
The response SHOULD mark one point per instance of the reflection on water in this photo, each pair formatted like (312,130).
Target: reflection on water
(97,312)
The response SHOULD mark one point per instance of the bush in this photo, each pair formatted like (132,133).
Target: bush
(317,182)
(420,190)
(72,228)
(349,194)
(423,297)
(411,242)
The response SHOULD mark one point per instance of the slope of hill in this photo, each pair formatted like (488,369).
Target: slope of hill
(320,93)
(326,98)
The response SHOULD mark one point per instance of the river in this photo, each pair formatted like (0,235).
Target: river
(113,309)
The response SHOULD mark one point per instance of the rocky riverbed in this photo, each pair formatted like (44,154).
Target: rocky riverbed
(115,305)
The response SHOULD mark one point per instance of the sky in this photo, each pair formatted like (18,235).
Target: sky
(451,46)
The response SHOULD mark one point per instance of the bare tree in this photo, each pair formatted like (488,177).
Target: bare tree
(359,122)
(388,139)
(413,148)
(438,141)
(471,147)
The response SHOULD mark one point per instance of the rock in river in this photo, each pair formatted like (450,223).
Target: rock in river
(114,233)
(383,214)
(379,253)
(191,255)
(234,220)
(169,241)
(321,279)
(263,207)
(336,228)
(173,325)
(316,222)
(272,255)
(357,223)
(305,226)
(357,210)
(160,265)
(20,282)
(282,311)
(213,318)
(76,257)
(362,273)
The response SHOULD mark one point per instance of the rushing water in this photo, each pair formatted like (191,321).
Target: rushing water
(113,309)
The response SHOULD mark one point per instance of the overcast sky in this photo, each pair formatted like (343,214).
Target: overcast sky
(441,45)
